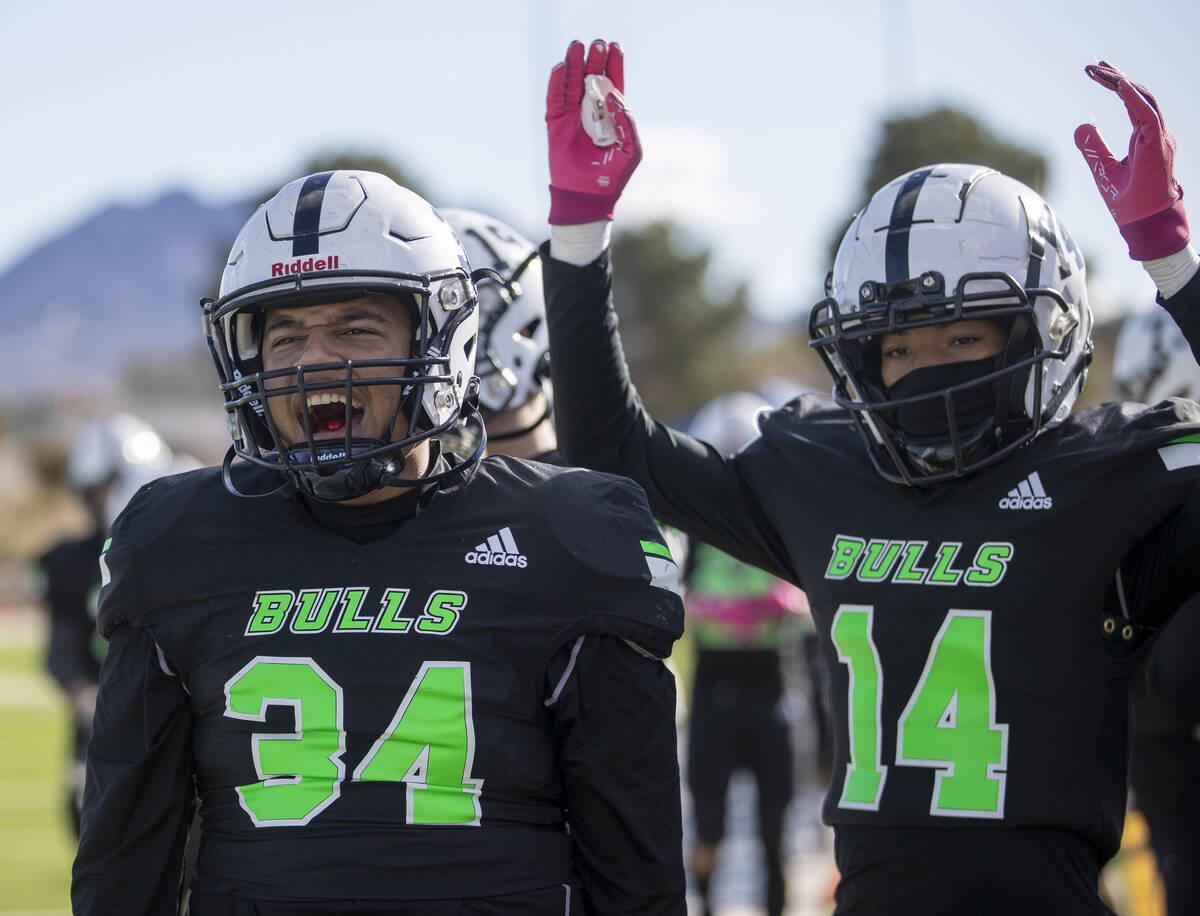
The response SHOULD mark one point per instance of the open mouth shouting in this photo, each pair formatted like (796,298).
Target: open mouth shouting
(329,414)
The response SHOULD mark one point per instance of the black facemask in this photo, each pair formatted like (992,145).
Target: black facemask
(925,421)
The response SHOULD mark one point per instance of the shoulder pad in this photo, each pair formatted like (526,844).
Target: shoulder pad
(143,527)
(622,567)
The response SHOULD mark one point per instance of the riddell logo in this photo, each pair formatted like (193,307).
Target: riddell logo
(498,550)
(1028,494)
(304,265)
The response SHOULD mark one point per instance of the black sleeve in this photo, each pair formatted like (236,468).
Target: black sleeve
(69,656)
(1173,669)
(138,792)
(1184,307)
(613,711)
(1162,571)
(602,424)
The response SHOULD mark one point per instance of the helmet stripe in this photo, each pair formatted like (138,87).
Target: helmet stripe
(896,252)
(1041,234)
(306,228)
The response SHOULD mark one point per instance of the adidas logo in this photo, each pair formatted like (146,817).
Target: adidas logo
(498,550)
(1028,494)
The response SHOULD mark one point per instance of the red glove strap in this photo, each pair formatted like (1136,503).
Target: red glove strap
(1157,235)
(569,208)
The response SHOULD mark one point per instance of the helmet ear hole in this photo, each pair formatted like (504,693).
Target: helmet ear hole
(247,330)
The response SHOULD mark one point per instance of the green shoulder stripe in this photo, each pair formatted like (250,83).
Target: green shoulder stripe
(656,549)
(664,572)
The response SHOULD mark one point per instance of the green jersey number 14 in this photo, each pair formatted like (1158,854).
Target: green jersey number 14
(948,725)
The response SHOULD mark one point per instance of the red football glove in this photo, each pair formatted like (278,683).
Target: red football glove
(586,179)
(1140,190)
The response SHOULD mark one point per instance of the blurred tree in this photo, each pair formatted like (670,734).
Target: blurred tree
(682,342)
(942,134)
(346,159)
(948,135)
(359,159)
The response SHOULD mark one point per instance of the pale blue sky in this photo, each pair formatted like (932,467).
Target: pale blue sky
(756,116)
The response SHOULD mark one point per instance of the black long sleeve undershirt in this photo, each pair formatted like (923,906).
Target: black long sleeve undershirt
(602,425)
(138,798)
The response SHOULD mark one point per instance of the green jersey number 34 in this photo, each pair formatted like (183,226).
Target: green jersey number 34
(948,725)
(429,744)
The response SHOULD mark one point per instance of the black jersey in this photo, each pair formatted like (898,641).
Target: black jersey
(975,680)
(975,675)
(373,720)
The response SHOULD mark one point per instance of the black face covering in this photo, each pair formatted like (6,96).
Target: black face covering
(926,421)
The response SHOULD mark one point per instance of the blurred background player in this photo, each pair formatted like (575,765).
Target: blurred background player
(513,357)
(109,459)
(1152,362)
(738,616)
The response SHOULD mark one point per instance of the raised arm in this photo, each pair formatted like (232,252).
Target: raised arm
(1145,199)
(600,419)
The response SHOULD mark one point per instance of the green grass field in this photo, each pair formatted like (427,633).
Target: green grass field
(36,842)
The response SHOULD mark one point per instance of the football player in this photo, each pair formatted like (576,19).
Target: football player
(954,525)
(513,357)
(738,616)
(1153,361)
(109,459)
(402,681)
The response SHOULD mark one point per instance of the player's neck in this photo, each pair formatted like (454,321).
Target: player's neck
(540,439)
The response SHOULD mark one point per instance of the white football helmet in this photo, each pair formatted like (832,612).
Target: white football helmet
(1153,360)
(513,358)
(936,245)
(324,238)
(729,421)
(112,457)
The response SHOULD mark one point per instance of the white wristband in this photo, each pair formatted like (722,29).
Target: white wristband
(580,244)
(1172,273)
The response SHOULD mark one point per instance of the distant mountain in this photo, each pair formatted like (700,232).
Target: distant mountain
(121,289)
(124,282)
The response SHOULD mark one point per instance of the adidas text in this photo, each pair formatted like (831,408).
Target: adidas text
(1026,502)
(485,558)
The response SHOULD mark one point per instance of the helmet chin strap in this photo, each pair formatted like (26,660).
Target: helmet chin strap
(371,474)
(363,477)
(355,478)
(456,469)
(359,479)
(288,485)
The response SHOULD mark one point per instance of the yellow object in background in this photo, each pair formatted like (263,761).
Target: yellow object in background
(1130,882)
